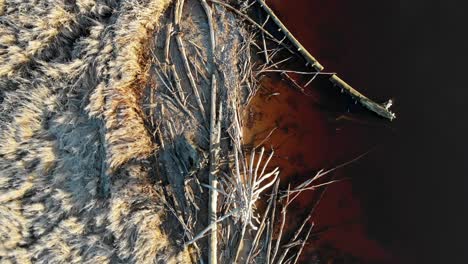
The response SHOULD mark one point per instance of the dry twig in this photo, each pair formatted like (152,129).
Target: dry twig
(180,44)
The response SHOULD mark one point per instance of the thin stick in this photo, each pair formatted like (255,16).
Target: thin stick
(299,72)
(150,108)
(210,227)
(260,230)
(267,137)
(291,79)
(311,80)
(321,174)
(283,221)
(272,226)
(176,78)
(167,45)
(303,243)
(274,65)
(189,74)
(209,16)
(293,239)
(167,60)
(187,231)
(265,50)
(241,238)
(181,47)
(314,187)
(184,108)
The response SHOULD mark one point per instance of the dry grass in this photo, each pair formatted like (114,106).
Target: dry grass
(74,174)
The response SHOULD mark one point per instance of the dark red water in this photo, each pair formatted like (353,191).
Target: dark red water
(315,131)
(409,195)
(308,137)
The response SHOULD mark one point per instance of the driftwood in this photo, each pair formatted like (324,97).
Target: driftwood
(379,109)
